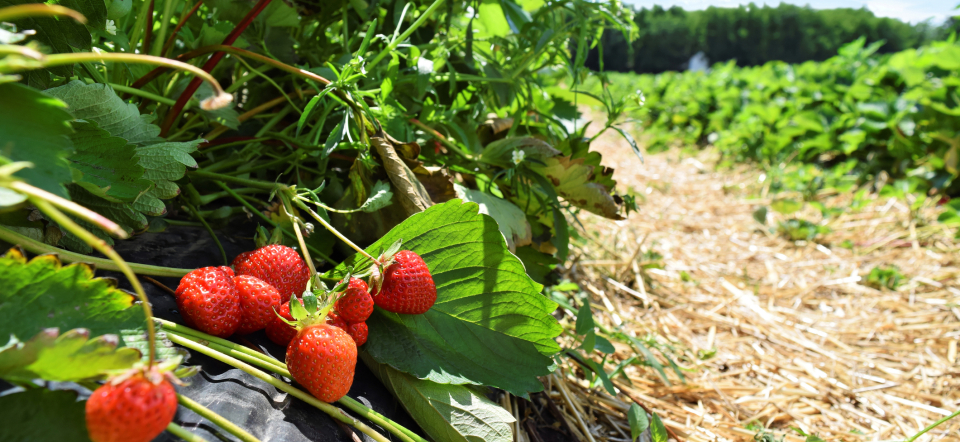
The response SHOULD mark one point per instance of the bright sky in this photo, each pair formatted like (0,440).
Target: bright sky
(912,11)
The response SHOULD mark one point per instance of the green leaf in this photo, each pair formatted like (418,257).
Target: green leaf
(500,152)
(658,432)
(604,346)
(492,19)
(633,143)
(786,206)
(585,322)
(70,357)
(589,341)
(538,264)
(510,219)
(490,324)
(638,421)
(106,166)
(760,215)
(577,183)
(380,197)
(40,294)
(604,379)
(164,163)
(446,412)
(43,415)
(99,103)
(35,129)
(515,14)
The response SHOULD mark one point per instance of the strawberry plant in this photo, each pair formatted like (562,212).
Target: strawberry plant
(427,150)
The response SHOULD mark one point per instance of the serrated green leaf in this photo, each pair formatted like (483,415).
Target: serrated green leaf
(99,103)
(43,415)
(490,324)
(40,294)
(35,129)
(446,412)
(71,356)
(108,166)
(638,421)
(380,197)
(510,219)
(658,432)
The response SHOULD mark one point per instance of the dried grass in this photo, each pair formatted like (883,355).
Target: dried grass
(797,339)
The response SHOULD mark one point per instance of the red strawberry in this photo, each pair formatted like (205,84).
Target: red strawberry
(356,305)
(358,332)
(277,265)
(209,302)
(257,300)
(226,270)
(133,410)
(407,285)
(282,333)
(278,331)
(323,358)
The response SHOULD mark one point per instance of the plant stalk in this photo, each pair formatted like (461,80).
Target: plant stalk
(406,34)
(180,432)
(327,225)
(217,419)
(13,13)
(932,426)
(70,207)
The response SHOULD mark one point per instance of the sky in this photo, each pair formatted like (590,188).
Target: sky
(912,11)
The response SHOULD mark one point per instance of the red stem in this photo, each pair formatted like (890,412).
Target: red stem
(173,37)
(209,65)
(148,33)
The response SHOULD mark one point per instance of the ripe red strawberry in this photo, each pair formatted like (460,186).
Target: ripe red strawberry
(407,285)
(323,358)
(209,302)
(358,331)
(277,265)
(227,270)
(257,300)
(133,410)
(282,333)
(356,305)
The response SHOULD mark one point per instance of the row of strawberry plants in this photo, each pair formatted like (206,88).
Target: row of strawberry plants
(857,118)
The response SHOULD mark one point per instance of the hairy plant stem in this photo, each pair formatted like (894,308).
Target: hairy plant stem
(132,91)
(332,230)
(180,432)
(265,185)
(13,13)
(38,247)
(332,411)
(268,220)
(217,419)
(268,363)
(100,245)
(70,207)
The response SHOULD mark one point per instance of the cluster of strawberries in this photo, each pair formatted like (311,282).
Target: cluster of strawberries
(321,334)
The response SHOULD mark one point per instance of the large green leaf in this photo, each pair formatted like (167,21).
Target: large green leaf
(510,219)
(107,166)
(42,415)
(35,128)
(60,34)
(446,412)
(70,357)
(41,293)
(490,324)
(578,184)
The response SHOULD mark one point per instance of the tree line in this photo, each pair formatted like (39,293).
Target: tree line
(753,35)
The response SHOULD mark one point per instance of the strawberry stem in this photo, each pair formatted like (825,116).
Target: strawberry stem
(71,207)
(217,419)
(100,245)
(38,247)
(332,411)
(178,431)
(268,363)
(332,230)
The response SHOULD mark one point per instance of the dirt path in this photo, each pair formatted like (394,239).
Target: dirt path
(768,332)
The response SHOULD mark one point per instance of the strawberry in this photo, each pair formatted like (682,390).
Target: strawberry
(257,300)
(281,333)
(227,270)
(323,358)
(131,409)
(209,302)
(358,331)
(407,286)
(277,265)
(356,305)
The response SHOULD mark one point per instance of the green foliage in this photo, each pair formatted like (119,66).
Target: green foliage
(68,357)
(448,412)
(638,421)
(751,35)
(797,229)
(888,277)
(35,129)
(503,326)
(39,414)
(41,294)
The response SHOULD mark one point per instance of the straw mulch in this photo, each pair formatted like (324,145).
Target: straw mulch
(770,334)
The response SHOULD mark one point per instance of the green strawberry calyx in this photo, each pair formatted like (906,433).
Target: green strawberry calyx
(378,269)
(169,369)
(316,303)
